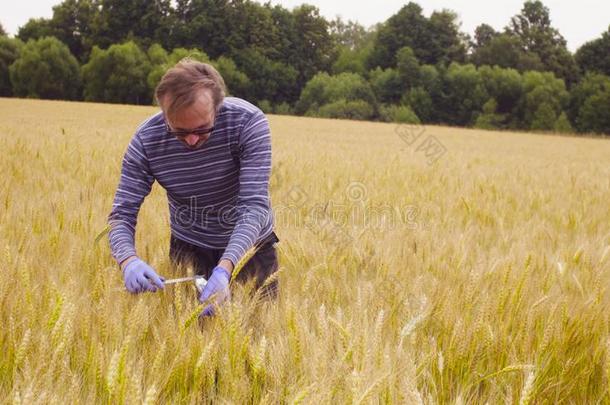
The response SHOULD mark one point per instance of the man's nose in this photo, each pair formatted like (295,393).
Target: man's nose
(192,139)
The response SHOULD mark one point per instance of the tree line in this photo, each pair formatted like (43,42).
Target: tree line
(411,68)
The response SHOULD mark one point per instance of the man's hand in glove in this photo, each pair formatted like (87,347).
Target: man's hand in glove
(217,285)
(140,277)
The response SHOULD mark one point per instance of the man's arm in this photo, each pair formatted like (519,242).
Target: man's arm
(253,206)
(134,185)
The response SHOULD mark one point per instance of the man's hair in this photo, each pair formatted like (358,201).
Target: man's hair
(180,86)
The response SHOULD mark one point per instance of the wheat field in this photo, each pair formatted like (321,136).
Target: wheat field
(479,275)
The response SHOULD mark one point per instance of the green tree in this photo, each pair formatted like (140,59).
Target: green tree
(533,27)
(594,56)
(72,23)
(464,94)
(221,27)
(46,69)
(286,42)
(398,113)
(354,110)
(237,82)
(205,26)
(408,27)
(269,79)
(350,34)
(483,35)
(286,33)
(544,117)
(563,125)
(265,106)
(250,26)
(435,40)
(314,93)
(350,87)
(594,115)
(36,28)
(589,85)
(141,21)
(505,87)
(426,99)
(2,31)
(505,50)
(159,63)
(117,75)
(448,43)
(324,89)
(353,47)
(543,94)
(9,52)
(314,49)
(157,55)
(421,102)
(386,84)
(408,68)
(283,109)
(490,118)
(353,61)
(588,108)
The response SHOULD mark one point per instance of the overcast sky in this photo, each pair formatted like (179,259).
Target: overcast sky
(578,21)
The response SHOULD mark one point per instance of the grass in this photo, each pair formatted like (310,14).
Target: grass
(482,277)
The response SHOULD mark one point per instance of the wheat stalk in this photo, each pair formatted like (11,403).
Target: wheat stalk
(528,389)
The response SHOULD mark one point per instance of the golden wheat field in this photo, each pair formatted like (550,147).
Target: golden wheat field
(479,275)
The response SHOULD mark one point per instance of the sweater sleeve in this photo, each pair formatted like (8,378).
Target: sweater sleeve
(134,185)
(253,206)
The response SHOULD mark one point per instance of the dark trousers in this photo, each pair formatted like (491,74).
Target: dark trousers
(259,267)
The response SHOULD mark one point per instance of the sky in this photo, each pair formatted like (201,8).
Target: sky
(578,21)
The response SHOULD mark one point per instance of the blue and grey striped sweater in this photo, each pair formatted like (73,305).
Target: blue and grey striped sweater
(218,194)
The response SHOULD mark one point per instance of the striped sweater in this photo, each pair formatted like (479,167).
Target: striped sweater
(218,195)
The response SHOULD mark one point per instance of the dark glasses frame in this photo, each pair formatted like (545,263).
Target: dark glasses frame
(184,134)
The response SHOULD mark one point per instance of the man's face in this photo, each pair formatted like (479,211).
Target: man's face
(192,124)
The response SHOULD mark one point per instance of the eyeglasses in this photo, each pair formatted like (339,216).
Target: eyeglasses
(183,134)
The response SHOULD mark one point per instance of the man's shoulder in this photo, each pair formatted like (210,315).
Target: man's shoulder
(152,126)
(239,108)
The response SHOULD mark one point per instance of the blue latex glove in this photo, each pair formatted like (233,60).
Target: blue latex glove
(218,284)
(140,277)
